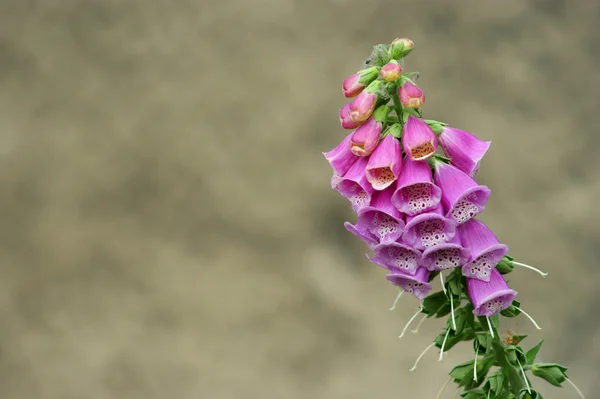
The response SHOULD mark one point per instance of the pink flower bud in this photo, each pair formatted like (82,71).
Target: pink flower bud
(363,105)
(391,71)
(345,120)
(352,87)
(411,96)
(365,139)
(407,43)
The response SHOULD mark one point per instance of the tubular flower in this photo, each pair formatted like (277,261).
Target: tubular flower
(352,86)
(364,140)
(363,105)
(365,235)
(354,185)
(385,163)
(464,150)
(345,120)
(462,197)
(411,96)
(428,229)
(341,157)
(398,257)
(418,139)
(490,298)
(417,284)
(381,218)
(485,249)
(415,192)
(445,255)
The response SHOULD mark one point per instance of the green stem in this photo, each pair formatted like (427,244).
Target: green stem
(397,106)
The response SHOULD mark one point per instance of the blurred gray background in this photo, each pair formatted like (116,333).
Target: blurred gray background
(167,228)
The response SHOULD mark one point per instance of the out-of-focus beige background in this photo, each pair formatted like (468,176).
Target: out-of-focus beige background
(167,228)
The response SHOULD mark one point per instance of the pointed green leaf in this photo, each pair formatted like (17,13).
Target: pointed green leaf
(477,393)
(532,353)
(459,371)
(551,372)
(530,394)
(512,310)
(505,265)
(436,304)
(496,383)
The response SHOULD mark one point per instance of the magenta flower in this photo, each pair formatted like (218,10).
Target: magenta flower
(354,185)
(485,249)
(341,157)
(417,284)
(365,235)
(385,163)
(490,298)
(363,105)
(410,95)
(381,217)
(391,71)
(345,120)
(352,86)
(418,139)
(445,255)
(364,140)
(462,197)
(428,229)
(398,257)
(415,192)
(464,150)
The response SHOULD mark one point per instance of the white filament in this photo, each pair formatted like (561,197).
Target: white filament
(421,355)
(524,377)
(452,310)
(530,318)
(410,321)
(443,283)
(443,344)
(416,330)
(439,395)
(575,386)
(475,365)
(397,298)
(543,274)
(490,326)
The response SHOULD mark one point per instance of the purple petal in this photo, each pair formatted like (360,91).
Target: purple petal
(341,157)
(415,191)
(418,139)
(381,217)
(485,249)
(354,185)
(385,163)
(428,229)
(462,197)
(416,285)
(490,298)
(446,255)
(464,150)
(365,235)
(398,257)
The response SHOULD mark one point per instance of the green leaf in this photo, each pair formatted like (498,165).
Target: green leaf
(381,113)
(434,122)
(368,75)
(477,393)
(525,394)
(551,372)
(532,353)
(512,310)
(395,130)
(464,318)
(436,304)
(515,353)
(496,383)
(452,340)
(460,371)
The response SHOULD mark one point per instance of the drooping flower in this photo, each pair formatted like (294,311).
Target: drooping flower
(354,185)
(464,150)
(352,86)
(341,157)
(410,95)
(485,249)
(345,120)
(492,297)
(418,139)
(399,257)
(363,105)
(428,229)
(417,284)
(381,217)
(462,197)
(364,140)
(385,163)
(365,235)
(391,71)
(446,255)
(415,192)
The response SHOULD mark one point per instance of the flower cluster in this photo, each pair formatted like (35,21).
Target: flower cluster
(411,182)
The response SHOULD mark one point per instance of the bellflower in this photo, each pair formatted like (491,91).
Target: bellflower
(428,229)
(397,256)
(385,163)
(417,284)
(354,185)
(485,249)
(345,120)
(446,255)
(341,157)
(381,217)
(490,298)
(418,139)
(364,140)
(352,86)
(363,105)
(462,197)
(365,235)
(410,95)
(415,192)
(464,150)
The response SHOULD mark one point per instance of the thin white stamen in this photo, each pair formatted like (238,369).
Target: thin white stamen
(397,298)
(443,283)
(524,377)
(475,365)
(575,386)
(543,274)
(416,330)
(530,318)
(443,344)
(490,326)
(439,395)
(452,310)
(455,393)
(421,355)
(410,321)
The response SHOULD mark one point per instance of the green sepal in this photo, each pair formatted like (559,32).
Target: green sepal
(526,394)
(483,340)
(405,115)
(433,275)
(395,130)
(483,367)
(435,126)
(464,318)
(512,310)
(477,393)
(454,282)
(514,353)
(437,158)
(368,75)
(551,372)
(434,122)
(436,304)
(460,371)
(466,335)
(381,113)
(495,321)
(397,51)
(516,339)
(412,111)
(532,353)
(373,87)
(505,265)
(495,383)
(380,55)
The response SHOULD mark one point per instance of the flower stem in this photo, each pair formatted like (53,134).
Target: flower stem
(397,106)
